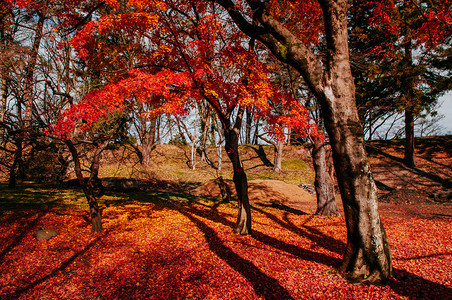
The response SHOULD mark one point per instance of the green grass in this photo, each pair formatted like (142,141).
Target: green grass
(31,195)
(293,164)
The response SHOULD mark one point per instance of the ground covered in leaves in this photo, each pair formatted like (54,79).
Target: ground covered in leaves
(176,246)
(168,237)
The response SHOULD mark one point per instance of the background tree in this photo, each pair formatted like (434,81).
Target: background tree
(395,71)
(320,152)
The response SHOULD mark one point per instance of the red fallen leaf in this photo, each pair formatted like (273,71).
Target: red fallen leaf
(170,255)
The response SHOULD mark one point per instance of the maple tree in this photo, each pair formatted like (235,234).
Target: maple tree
(28,31)
(194,59)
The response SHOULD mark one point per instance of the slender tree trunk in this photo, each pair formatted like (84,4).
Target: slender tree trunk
(205,125)
(409,114)
(147,141)
(256,135)
(232,135)
(249,122)
(29,74)
(409,139)
(17,162)
(324,186)
(87,186)
(243,224)
(219,144)
(278,156)
(4,104)
(193,152)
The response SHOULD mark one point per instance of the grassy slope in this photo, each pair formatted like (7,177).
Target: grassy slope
(172,163)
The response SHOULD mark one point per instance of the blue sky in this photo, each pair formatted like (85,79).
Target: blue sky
(446,110)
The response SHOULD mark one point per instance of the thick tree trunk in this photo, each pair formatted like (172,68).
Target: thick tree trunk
(324,186)
(88,186)
(409,139)
(367,256)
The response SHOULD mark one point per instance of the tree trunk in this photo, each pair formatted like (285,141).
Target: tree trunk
(249,121)
(205,134)
(409,113)
(367,256)
(29,74)
(88,187)
(409,139)
(219,144)
(232,135)
(147,141)
(278,156)
(4,105)
(17,163)
(243,224)
(193,153)
(324,186)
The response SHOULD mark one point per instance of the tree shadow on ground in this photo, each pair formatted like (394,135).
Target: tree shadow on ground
(18,292)
(413,286)
(313,234)
(404,283)
(27,223)
(265,286)
(213,215)
(262,155)
(444,182)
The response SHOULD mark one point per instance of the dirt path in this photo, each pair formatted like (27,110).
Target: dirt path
(401,190)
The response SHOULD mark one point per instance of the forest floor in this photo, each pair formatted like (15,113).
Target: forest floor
(167,236)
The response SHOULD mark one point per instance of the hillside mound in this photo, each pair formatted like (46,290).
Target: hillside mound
(260,191)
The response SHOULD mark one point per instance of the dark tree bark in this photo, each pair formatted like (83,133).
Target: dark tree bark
(231,135)
(249,123)
(225,192)
(324,185)
(88,186)
(4,100)
(205,116)
(408,90)
(367,256)
(17,162)
(409,139)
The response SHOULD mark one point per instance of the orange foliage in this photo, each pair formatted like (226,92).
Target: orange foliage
(179,57)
